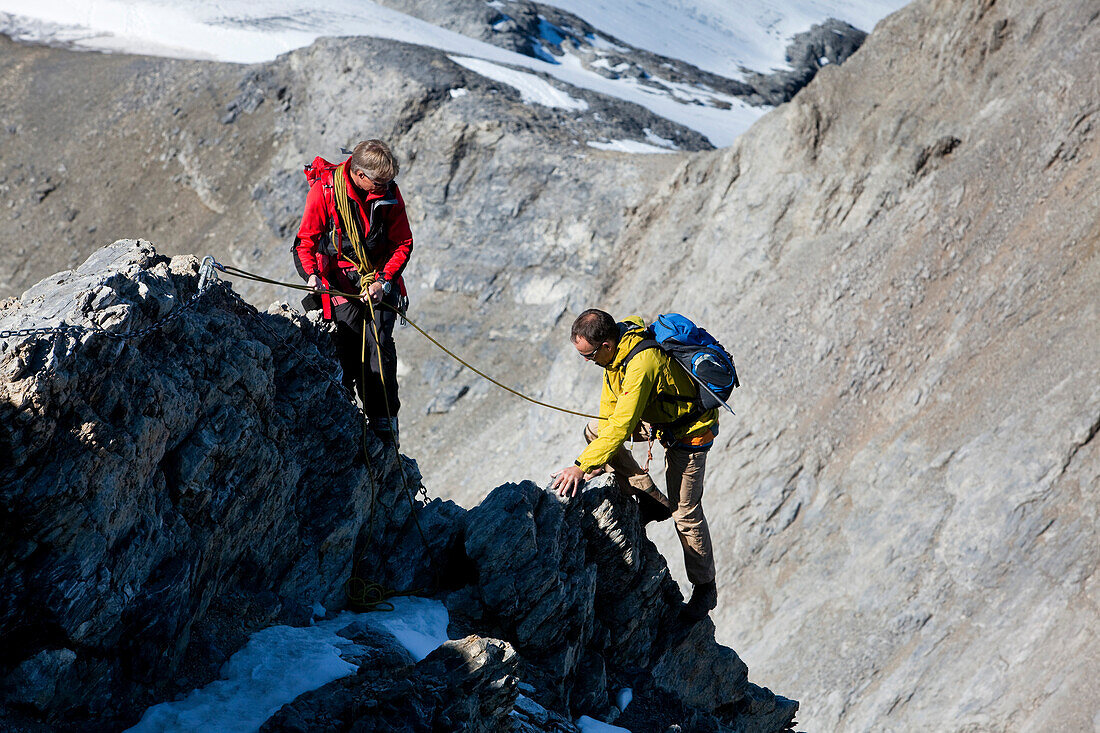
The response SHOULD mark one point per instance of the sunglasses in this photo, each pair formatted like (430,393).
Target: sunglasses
(377,183)
(591,354)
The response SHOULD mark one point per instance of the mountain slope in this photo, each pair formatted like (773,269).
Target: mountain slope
(905,262)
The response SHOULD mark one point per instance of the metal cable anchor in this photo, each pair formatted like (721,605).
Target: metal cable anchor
(206,271)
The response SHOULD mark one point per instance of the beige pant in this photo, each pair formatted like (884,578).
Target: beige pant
(684,472)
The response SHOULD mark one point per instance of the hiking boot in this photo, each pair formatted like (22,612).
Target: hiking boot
(703,599)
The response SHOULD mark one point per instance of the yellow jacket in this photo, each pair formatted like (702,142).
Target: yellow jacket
(633,394)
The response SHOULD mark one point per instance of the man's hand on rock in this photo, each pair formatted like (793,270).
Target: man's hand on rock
(568,480)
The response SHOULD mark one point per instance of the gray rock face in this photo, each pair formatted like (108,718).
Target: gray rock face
(184,470)
(904,507)
(148,478)
(905,489)
(590,606)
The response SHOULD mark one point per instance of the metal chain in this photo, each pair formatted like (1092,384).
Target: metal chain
(207,277)
(40,331)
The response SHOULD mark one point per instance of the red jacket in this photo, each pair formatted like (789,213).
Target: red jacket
(322,248)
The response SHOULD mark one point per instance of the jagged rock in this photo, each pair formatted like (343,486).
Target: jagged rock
(36,680)
(584,596)
(831,42)
(463,685)
(635,591)
(417,551)
(720,682)
(533,576)
(477,679)
(185,470)
(151,478)
(762,711)
(530,717)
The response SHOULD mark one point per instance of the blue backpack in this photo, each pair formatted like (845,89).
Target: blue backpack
(699,353)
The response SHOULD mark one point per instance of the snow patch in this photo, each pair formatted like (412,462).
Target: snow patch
(280,663)
(721,36)
(277,664)
(590,725)
(628,146)
(659,141)
(420,624)
(716,35)
(532,89)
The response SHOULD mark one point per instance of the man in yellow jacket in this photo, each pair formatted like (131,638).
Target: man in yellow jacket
(648,391)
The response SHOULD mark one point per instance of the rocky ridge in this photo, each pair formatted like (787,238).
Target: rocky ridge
(549,33)
(186,470)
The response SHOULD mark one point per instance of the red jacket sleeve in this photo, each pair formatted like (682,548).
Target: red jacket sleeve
(400,236)
(314,224)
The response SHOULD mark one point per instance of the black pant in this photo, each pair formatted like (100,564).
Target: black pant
(375,386)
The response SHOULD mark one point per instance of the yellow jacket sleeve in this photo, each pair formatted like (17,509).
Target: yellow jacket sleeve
(623,411)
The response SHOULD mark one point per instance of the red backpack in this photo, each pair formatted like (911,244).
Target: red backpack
(321,171)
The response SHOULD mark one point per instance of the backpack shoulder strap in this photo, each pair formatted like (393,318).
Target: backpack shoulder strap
(648,342)
(643,345)
(694,413)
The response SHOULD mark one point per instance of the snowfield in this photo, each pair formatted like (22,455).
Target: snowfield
(719,36)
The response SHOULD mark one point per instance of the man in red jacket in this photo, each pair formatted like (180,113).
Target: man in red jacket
(355,238)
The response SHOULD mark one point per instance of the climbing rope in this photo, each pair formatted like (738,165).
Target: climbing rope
(237,272)
(361,593)
(208,277)
(390,419)
(366,595)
